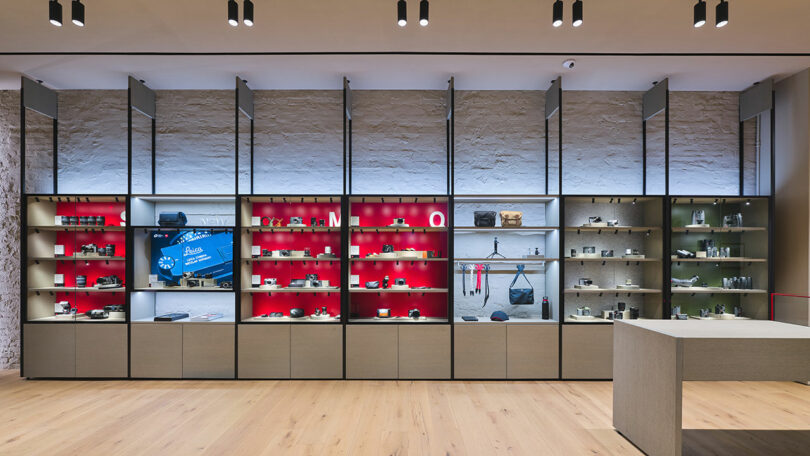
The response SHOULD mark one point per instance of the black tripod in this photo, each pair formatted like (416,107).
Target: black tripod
(495,252)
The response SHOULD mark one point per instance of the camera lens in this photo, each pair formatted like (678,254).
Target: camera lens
(100,220)
(65,220)
(81,281)
(74,220)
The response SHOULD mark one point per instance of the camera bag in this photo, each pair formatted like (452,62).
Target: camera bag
(172,219)
(521,296)
(484,218)
(511,218)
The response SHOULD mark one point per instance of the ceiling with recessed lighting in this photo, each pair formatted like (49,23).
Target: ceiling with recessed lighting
(312,44)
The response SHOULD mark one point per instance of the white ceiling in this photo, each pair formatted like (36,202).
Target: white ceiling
(456,27)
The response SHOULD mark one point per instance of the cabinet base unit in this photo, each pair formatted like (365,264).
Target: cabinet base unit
(156,350)
(532,351)
(587,352)
(81,350)
(424,352)
(49,350)
(372,351)
(316,351)
(480,351)
(264,351)
(101,351)
(208,350)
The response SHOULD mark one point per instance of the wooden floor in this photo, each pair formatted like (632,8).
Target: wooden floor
(378,418)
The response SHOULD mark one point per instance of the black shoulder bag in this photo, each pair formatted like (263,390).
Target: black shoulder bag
(521,296)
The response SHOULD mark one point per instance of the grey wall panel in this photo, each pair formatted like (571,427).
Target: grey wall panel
(39,98)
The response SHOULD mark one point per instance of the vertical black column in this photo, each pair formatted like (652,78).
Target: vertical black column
(546,141)
(666,232)
(236,141)
(561,285)
(129,143)
(251,154)
(644,157)
(560,145)
(23,236)
(666,147)
(55,156)
(154,149)
(742,158)
(772,204)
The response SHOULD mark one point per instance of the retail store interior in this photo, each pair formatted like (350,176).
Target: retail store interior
(405,227)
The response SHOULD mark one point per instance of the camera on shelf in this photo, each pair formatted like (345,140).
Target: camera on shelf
(733,220)
(89,249)
(115,308)
(97,314)
(296,221)
(61,308)
(112,281)
(194,280)
(414,313)
(81,281)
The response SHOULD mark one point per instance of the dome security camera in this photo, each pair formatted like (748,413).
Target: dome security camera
(569,64)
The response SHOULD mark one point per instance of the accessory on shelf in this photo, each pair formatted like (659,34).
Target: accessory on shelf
(399,222)
(484,219)
(296,312)
(463,278)
(81,281)
(414,313)
(635,313)
(311,277)
(738,311)
(685,283)
(486,285)
(499,315)
(511,218)
(469,318)
(399,282)
(61,308)
(88,249)
(112,281)
(387,248)
(478,269)
(698,219)
(495,251)
(373,285)
(296,222)
(383,313)
(276,314)
(83,220)
(684,253)
(719,309)
(385,282)
(313,221)
(612,223)
(704,313)
(546,308)
(521,296)
(298,283)
(97,314)
(607,253)
(174,316)
(172,219)
(732,221)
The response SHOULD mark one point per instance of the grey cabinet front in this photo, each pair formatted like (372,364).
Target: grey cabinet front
(587,351)
(209,350)
(424,351)
(532,351)
(372,351)
(316,351)
(49,350)
(156,350)
(480,351)
(264,351)
(101,350)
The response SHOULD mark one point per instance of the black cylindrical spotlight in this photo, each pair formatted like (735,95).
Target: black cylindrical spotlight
(233,13)
(558,14)
(402,13)
(423,13)
(55,12)
(77,13)
(722,14)
(577,13)
(247,11)
(700,13)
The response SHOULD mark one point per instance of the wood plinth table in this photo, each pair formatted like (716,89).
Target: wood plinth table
(651,359)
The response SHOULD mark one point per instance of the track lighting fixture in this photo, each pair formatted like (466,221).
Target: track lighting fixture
(233,13)
(55,12)
(402,13)
(722,14)
(748,202)
(247,12)
(423,13)
(577,13)
(77,13)
(558,13)
(716,200)
(700,13)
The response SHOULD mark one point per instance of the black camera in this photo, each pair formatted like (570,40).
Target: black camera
(81,281)
(89,248)
(97,314)
(311,277)
(266,253)
(385,282)
(73,220)
(387,248)
(115,308)
(399,281)
(100,220)
(226,285)
(107,250)
(414,313)
(83,220)
(112,281)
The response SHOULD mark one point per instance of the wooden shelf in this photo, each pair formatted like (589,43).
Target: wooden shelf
(291,229)
(78,258)
(612,290)
(720,260)
(613,260)
(399,320)
(516,229)
(291,290)
(405,259)
(507,260)
(680,229)
(611,229)
(391,229)
(79,290)
(388,290)
(710,290)
(288,319)
(80,318)
(504,198)
(87,228)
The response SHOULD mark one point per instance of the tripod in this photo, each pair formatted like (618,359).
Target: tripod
(495,253)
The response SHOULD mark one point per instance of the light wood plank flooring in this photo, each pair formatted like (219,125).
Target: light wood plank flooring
(378,418)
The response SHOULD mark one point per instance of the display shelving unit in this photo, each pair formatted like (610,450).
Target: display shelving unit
(749,257)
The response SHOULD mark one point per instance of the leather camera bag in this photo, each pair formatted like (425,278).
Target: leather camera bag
(172,219)
(511,218)
(521,296)
(484,218)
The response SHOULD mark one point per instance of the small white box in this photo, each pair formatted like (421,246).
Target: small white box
(354,280)
(59,280)
(256,280)
(159,284)
(256,221)
(355,220)
(57,220)
(58,250)
(354,250)
(153,278)
(256,250)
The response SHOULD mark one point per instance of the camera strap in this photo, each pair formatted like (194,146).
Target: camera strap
(463,279)
(478,269)
(486,285)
